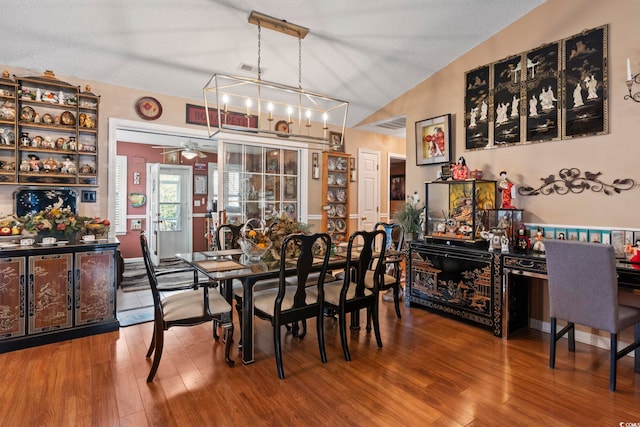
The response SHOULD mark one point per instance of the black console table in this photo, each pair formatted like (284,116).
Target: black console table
(480,286)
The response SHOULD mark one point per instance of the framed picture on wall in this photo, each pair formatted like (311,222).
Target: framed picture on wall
(397,187)
(543,95)
(433,140)
(476,108)
(506,101)
(336,142)
(585,84)
(200,184)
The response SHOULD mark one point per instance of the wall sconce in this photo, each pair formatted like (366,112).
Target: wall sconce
(315,166)
(352,169)
(631,80)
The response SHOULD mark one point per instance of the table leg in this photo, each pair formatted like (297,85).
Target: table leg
(247,320)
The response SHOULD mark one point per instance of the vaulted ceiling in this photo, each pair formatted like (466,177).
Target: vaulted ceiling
(365,52)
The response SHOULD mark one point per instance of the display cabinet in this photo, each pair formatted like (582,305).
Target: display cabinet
(335,191)
(260,182)
(507,221)
(56,292)
(457,210)
(459,281)
(57,135)
(8,129)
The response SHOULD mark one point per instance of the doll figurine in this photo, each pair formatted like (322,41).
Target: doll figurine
(507,189)
(523,244)
(460,170)
(538,246)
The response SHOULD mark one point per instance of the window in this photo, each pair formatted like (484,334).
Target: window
(260,182)
(170,195)
(121,194)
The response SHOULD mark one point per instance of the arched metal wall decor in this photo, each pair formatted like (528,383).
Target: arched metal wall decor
(571,180)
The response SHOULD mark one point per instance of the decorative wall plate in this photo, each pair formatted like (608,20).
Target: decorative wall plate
(27,114)
(137,199)
(148,108)
(282,127)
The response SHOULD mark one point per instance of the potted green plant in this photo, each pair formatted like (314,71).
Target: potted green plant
(409,217)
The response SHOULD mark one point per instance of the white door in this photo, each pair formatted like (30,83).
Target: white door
(169,214)
(368,189)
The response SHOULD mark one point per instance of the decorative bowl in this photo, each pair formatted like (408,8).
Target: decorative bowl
(253,239)
(254,251)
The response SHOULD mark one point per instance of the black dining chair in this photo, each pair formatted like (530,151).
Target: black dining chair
(187,308)
(583,289)
(392,271)
(351,294)
(292,303)
(227,236)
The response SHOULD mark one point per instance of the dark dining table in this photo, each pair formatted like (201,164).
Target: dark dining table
(227,265)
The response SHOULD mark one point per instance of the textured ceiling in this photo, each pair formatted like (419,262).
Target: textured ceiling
(365,52)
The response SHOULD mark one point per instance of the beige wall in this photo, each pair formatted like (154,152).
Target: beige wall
(615,154)
(118,103)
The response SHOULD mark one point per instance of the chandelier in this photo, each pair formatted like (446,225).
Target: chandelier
(248,106)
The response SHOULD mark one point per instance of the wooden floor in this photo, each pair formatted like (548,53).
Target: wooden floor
(431,371)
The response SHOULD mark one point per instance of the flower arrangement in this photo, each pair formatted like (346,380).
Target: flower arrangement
(54,219)
(280,228)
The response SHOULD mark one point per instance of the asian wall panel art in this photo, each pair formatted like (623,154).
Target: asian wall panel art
(556,91)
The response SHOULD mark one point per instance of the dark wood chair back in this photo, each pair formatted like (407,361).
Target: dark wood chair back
(227,236)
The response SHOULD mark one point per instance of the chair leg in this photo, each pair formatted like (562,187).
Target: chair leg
(320,332)
(227,328)
(153,341)
(368,319)
(552,344)
(159,341)
(572,337)
(277,346)
(636,334)
(342,320)
(239,310)
(215,329)
(376,325)
(613,362)
(396,300)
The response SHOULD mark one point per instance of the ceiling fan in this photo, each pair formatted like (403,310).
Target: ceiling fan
(188,151)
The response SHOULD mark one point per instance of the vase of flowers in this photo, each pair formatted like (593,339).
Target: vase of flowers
(55,222)
(282,226)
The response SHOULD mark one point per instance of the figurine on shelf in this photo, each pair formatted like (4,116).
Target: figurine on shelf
(50,165)
(507,189)
(523,243)
(460,170)
(67,165)
(34,163)
(538,245)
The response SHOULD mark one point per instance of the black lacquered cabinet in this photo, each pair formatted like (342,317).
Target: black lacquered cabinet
(459,281)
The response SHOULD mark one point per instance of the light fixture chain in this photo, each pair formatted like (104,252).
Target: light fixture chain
(299,62)
(259,50)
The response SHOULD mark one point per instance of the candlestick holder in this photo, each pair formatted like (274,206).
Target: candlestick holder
(635,80)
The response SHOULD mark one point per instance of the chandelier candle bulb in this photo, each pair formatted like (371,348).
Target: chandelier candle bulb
(628,69)
(270,108)
(308,118)
(225,101)
(248,107)
(289,111)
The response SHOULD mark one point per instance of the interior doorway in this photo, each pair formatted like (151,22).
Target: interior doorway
(397,195)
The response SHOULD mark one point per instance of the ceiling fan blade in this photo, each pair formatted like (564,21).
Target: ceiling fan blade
(201,155)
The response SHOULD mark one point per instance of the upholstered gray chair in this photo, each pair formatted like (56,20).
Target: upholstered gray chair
(583,289)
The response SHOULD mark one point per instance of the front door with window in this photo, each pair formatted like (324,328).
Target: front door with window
(169,227)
